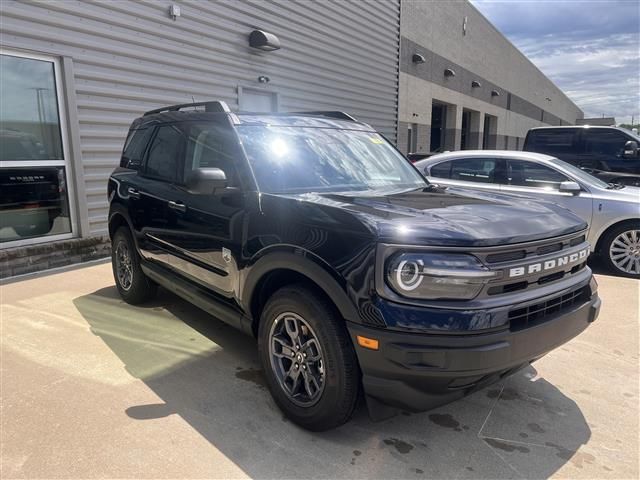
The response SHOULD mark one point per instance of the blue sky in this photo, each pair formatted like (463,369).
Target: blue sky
(589,48)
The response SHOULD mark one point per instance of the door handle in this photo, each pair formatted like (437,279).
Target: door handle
(181,207)
(133,193)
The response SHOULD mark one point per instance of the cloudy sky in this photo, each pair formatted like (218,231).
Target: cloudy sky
(589,48)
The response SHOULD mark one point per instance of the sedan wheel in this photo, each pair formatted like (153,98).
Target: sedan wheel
(624,252)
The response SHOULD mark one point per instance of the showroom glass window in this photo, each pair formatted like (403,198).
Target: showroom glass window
(34,191)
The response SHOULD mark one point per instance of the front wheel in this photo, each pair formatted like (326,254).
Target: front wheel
(308,359)
(621,250)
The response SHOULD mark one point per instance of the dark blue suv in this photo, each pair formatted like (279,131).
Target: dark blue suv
(314,234)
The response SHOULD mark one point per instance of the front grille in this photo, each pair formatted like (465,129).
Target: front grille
(538,313)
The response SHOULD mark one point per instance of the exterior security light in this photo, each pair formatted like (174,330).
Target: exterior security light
(449,73)
(263,79)
(495,93)
(475,84)
(417,58)
(174,11)
(264,41)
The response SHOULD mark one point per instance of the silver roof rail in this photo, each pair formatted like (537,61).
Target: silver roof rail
(212,106)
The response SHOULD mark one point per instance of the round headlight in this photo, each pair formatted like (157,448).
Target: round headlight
(409,274)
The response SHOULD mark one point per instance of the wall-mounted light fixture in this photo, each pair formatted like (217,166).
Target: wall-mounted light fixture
(475,84)
(263,79)
(174,11)
(417,58)
(547,99)
(495,93)
(264,41)
(449,73)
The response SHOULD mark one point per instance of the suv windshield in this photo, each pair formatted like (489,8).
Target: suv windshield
(308,159)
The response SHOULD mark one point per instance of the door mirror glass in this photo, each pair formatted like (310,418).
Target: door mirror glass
(569,187)
(630,149)
(204,181)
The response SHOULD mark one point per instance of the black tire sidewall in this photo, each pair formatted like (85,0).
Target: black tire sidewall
(338,398)
(606,245)
(142,288)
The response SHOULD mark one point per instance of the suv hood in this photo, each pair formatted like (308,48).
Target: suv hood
(453,216)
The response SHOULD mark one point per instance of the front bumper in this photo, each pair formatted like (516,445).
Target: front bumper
(418,372)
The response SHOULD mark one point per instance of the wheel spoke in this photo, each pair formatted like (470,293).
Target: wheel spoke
(292,328)
(310,348)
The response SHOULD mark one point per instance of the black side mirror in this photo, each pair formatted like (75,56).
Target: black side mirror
(204,181)
(630,149)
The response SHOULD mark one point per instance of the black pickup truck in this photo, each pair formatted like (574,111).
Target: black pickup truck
(314,234)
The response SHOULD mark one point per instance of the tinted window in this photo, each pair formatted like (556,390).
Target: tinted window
(442,170)
(530,174)
(552,142)
(134,148)
(209,146)
(164,153)
(474,170)
(604,142)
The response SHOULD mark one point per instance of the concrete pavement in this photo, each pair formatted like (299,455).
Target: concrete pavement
(92,387)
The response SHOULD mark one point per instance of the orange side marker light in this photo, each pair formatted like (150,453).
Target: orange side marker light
(370,343)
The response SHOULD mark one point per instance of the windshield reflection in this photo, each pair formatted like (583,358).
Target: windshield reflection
(307,159)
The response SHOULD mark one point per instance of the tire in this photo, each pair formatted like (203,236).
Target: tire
(620,250)
(135,288)
(337,375)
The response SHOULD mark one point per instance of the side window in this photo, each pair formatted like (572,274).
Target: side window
(209,146)
(441,170)
(164,154)
(474,170)
(553,142)
(609,143)
(530,174)
(134,148)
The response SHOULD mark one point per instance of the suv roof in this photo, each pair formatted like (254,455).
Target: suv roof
(216,109)
(583,127)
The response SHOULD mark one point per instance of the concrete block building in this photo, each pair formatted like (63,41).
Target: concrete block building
(463,85)
(74,74)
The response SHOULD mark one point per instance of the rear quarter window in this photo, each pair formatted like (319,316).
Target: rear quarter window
(134,148)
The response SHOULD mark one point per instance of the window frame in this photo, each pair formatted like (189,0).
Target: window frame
(65,162)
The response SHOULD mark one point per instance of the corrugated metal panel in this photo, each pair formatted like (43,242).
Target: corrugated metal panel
(129,57)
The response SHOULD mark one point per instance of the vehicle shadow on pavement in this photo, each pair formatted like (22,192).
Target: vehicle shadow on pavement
(208,373)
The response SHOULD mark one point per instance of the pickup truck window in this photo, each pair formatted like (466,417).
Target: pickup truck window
(605,142)
(552,142)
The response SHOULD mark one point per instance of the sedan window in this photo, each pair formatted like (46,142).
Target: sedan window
(474,170)
(531,174)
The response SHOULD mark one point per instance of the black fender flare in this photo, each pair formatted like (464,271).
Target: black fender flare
(306,264)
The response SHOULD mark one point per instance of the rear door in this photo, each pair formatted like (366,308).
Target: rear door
(153,216)
(536,180)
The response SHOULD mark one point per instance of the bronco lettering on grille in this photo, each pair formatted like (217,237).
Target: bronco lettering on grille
(549,264)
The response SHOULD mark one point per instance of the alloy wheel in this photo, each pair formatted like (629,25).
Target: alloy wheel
(297,359)
(624,252)
(124,267)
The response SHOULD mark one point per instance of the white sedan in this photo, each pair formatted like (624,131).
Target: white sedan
(612,211)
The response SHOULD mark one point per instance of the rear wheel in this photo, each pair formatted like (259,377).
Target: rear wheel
(132,284)
(308,359)
(621,250)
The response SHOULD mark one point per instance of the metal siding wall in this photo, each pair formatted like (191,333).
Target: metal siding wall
(129,57)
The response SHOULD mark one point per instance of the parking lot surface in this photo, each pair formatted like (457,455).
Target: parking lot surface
(93,387)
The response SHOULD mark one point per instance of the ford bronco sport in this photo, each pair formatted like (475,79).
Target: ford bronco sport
(314,234)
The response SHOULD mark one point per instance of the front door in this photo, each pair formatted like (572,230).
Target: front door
(541,181)
(208,233)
